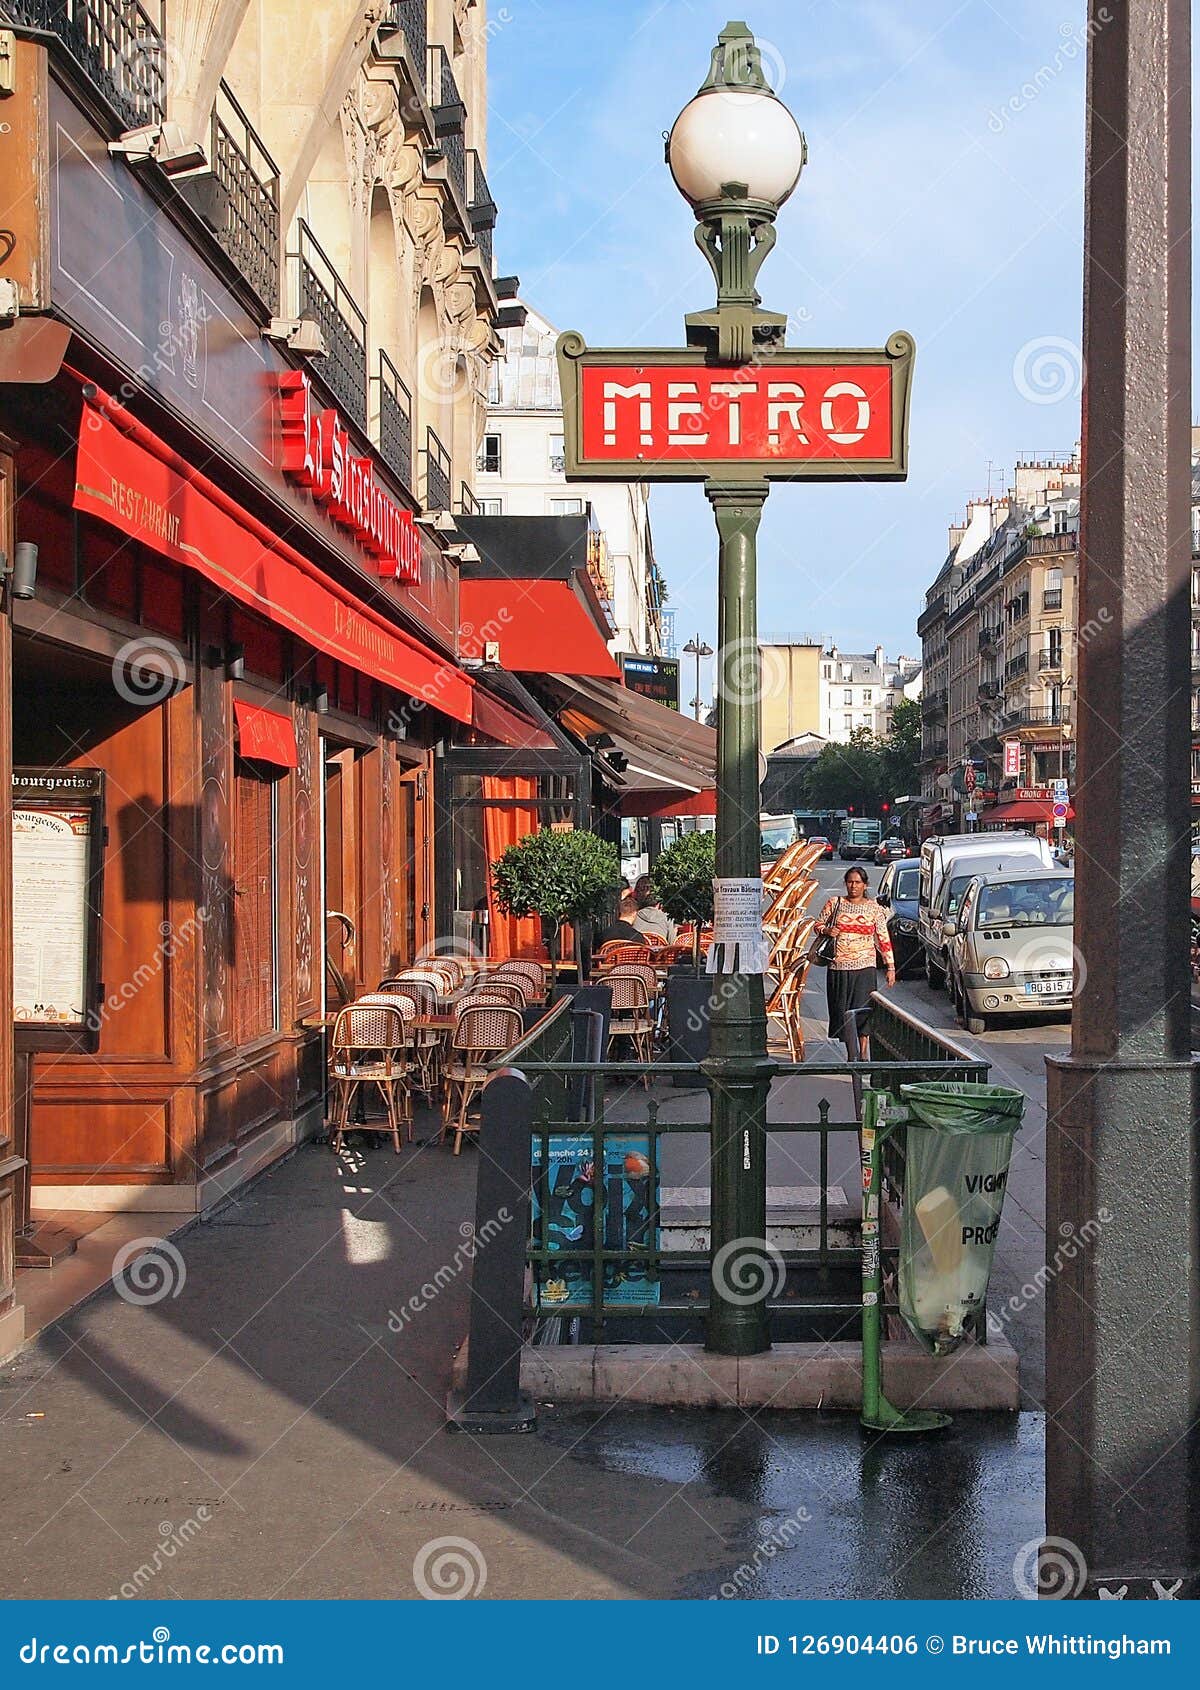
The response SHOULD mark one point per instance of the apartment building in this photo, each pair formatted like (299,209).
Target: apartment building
(520,473)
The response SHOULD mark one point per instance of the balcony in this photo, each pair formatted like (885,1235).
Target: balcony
(247,173)
(468,504)
(408,18)
(1016,610)
(1034,716)
(933,704)
(482,210)
(1052,659)
(933,750)
(438,476)
(1052,598)
(449,119)
(118,45)
(1016,666)
(395,422)
(325,299)
(990,639)
(989,689)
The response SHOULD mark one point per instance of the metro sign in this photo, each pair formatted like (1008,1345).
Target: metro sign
(669,414)
(317,454)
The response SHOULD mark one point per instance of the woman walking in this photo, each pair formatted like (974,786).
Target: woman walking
(859,926)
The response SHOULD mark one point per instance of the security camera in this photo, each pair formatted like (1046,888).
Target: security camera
(298,334)
(437,522)
(164,144)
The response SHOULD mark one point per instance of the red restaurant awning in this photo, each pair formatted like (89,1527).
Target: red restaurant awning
(128,477)
(541,627)
(265,734)
(662,804)
(1024,810)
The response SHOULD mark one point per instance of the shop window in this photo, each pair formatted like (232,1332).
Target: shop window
(256,936)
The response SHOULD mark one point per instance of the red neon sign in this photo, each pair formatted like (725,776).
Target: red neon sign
(794,413)
(317,454)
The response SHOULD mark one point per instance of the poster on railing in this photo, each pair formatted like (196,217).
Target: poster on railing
(564,1219)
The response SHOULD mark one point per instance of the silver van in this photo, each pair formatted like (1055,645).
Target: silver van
(948,863)
(1011,946)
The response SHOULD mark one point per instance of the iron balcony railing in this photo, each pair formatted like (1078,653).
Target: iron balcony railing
(1034,716)
(409,18)
(395,422)
(990,638)
(118,44)
(250,178)
(326,300)
(438,476)
(1051,659)
(449,118)
(483,210)
(468,504)
(1016,666)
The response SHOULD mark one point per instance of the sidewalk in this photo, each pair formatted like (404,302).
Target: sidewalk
(267,1432)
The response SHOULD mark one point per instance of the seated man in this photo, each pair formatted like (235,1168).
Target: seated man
(623,927)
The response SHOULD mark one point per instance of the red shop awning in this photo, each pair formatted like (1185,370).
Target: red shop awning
(265,734)
(130,478)
(669,804)
(508,726)
(541,627)
(1024,810)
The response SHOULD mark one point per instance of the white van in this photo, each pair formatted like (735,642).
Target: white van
(948,865)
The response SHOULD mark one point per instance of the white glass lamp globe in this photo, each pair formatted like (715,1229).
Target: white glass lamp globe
(735,135)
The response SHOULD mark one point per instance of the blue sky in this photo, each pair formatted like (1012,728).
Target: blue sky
(942,195)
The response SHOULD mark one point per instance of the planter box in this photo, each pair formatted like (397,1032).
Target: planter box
(687,1020)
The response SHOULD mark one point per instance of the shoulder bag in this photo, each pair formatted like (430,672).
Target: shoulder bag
(825,949)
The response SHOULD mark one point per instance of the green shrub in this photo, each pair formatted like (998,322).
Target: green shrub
(558,876)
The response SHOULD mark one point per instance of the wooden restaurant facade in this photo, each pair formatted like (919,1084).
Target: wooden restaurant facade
(230,616)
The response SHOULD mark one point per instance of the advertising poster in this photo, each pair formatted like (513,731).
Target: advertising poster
(51,851)
(568,1190)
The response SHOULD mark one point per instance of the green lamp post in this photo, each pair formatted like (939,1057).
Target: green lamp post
(736,153)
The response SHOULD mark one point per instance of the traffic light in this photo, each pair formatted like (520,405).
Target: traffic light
(885,807)
(849,809)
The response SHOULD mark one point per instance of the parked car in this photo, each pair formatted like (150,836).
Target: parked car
(898,894)
(825,844)
(1012,946)
(890,848)
(961,856)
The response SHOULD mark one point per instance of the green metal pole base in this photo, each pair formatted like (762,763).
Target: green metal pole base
(885,1417)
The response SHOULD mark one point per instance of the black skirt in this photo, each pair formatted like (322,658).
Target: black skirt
(849,989)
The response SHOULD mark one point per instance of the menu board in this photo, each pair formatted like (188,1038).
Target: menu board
(57,841)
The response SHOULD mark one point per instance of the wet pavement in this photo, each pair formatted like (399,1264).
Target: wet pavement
(275,1428)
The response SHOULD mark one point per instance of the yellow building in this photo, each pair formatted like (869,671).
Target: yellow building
(791,691)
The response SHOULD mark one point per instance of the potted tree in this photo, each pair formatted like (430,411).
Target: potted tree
(683,884)
(559,876)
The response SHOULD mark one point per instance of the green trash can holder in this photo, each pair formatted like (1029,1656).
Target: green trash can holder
(957,1154)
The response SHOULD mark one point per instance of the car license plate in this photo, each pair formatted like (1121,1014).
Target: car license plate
(1048,988)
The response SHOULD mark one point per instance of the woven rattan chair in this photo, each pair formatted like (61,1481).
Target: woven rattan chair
(517,968)
(632,1017)
(484,1032)
(785,1005)
(508,987)
(369,1048)
(414,998)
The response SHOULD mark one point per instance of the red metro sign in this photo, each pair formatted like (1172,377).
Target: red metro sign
(317,454)
(668,414)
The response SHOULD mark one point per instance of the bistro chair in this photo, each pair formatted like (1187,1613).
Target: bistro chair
(517,969)
(449,965)
(786,1004)
(368,1049)
(414,998)
(617,951)
(631,1018)
(511,990)
(484,1032)
(479,995)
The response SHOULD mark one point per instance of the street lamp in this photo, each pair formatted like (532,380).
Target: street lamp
(736,153)
(697,648)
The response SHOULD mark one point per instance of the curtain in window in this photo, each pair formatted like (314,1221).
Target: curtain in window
(504,825)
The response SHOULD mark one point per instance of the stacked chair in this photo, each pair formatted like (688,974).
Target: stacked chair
(790,886)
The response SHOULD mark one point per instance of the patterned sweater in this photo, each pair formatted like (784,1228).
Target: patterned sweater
(861,930)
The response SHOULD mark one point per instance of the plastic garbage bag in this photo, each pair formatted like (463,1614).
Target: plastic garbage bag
(959,1144)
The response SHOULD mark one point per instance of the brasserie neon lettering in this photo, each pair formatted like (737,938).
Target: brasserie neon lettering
(317,454)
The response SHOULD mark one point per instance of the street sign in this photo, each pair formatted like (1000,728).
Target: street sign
(1012,758)
(1060,814)
(787,414)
